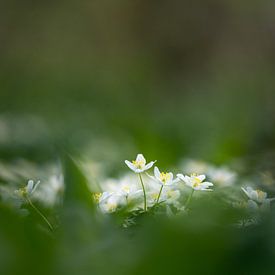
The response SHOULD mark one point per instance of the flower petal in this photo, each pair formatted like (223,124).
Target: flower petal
(156,172)
(207,184)
(140,157)
(246,192)
(35,186)
(130,165)
(180,176)
(29,186)
(149,165)
(201,177)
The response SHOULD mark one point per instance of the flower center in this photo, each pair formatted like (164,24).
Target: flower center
(126,189)
(164,177)
(139,164)
(196,180)
(97,197)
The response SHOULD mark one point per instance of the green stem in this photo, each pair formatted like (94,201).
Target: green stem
(189,198)
(39,213)
(159,194)
(144,193)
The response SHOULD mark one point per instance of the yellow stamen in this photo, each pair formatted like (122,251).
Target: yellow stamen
(138,163)
(196,180)
(97,197)
(164,177)
(126,189)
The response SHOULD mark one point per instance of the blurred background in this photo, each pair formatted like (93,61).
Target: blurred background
(173,79)
(106,80)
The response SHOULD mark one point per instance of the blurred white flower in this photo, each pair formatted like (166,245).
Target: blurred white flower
(190,165)
(51,190)
(222,176)
(196,182)
(125,185)
(170,196)
(109,202)
(26,193)
(256,195)
(139,165)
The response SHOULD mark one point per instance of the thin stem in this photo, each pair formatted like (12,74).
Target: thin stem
(144,193)
(40,214)
(159,193)
(189,198)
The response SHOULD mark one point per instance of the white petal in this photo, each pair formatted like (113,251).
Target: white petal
(180,176)
(186,178)
(176,180)
(156,172)
(170,182)
(151,177)
(245,192)
(201,177)
(30,186)
(130,165)
(149,165)
(207,184)
(35,186)
(171,176)
(139,170)
(140,157)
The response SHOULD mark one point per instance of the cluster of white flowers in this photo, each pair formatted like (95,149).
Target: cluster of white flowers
(163,188)
(138,193)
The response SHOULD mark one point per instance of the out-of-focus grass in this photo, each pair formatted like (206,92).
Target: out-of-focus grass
(203,241)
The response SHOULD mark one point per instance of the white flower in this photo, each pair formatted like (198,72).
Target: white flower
(163,178)
(28,190)
(222,176)
(196,182)
(170,196)
(256,195)
(109,202)
(139,165)
(125,185)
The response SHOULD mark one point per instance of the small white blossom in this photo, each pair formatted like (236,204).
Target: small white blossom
(28,189)
(139,165)
(196,182)
(164,178)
